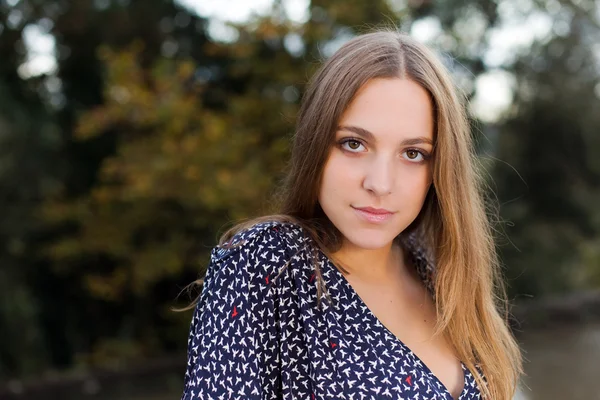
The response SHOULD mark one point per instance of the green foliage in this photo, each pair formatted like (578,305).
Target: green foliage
(551,139)
(178,170)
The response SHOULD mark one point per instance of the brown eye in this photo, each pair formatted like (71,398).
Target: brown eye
(412,154)
(353,144)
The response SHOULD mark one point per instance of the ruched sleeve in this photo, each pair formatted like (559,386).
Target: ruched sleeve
(233,341)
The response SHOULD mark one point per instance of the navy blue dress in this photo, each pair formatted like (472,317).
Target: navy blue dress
(257,335)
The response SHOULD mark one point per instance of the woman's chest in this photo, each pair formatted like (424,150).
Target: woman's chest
(343,351)
(372,364)
(412,324)
(362,367)
(337,355)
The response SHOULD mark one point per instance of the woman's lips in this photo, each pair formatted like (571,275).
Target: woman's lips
(373,215)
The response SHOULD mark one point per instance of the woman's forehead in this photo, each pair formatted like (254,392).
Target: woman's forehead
(391,109)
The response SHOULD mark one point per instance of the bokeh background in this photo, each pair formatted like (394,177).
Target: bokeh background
(132,132)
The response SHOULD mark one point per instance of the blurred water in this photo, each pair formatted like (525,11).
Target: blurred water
(562,363)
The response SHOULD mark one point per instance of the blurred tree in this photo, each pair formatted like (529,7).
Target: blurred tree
(29,152)
(551,139)
(26,174)
(41,159)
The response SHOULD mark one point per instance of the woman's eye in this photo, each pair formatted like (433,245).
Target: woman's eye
(414,155)
(352,145)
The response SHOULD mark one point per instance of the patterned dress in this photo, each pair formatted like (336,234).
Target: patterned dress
(257,333)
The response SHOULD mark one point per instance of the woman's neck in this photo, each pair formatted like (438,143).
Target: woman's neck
(371,265)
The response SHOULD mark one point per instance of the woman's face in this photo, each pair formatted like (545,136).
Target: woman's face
(381,159)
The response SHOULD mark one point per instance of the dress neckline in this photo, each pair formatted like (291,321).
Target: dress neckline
(377,324)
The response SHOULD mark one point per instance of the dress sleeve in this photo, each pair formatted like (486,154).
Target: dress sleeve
(233,344)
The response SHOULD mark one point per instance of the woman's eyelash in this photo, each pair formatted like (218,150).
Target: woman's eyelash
(423,153)
(350,139)
(426,156)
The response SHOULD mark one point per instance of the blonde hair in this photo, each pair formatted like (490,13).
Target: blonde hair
(452,225)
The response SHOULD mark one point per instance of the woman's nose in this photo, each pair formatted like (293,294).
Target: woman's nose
(379,177)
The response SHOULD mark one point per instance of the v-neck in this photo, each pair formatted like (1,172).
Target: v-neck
(377,324)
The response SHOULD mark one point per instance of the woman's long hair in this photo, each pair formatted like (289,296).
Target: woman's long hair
(453,225)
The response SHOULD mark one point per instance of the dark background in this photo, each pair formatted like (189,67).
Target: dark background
(132,132)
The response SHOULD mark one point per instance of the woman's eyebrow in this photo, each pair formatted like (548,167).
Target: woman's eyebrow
(365,134)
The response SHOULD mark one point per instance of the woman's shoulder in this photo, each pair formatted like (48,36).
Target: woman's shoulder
(270,228)
(265,242)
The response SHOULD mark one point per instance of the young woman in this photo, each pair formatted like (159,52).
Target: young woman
(378,279)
